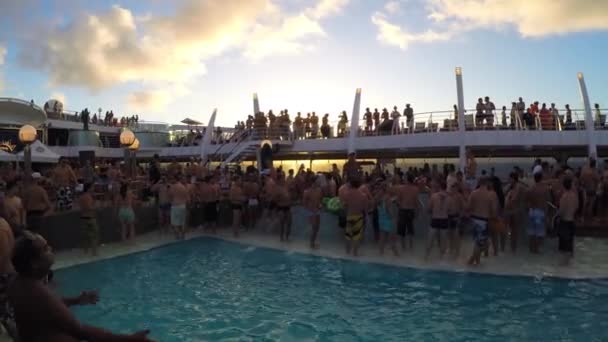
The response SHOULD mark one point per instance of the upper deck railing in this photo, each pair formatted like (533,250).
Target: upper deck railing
(436,121)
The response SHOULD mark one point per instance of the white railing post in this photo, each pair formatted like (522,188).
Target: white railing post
(207,138)
(462,158)
(354,122)
(589,124)
(256,104)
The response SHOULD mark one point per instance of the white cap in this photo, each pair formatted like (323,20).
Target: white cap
(537,169)
(36,175)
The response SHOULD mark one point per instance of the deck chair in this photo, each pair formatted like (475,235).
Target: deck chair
(419,127)
(469,122)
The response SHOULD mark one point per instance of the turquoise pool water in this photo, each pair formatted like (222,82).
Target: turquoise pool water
(211,290)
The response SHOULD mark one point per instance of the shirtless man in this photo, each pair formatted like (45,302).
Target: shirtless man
(568,205)
(355,204)
(455,208)
(283,207)
(88,217)
(15,213)
(179,199)
(515,210)
(209,197)
(237,200)
(311,201)
(7,274)
(161,189)
(268,194)
(470,171)
(36,203)
(407,200)
(252,193)
(438,209)
(63,179)
(589,181)
(40,314)
(537,198)
(481,207)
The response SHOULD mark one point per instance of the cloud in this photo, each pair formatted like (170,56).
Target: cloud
(325,8)
(147,100)
(2,54)
(530,18)
(116,46)
(452,18)
(392,7)
(2,57)
(392,34)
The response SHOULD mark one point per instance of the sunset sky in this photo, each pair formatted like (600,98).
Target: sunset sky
(166,60)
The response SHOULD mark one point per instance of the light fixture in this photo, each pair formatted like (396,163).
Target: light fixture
(579,75)
(458,71)
(135,145)
(358,90)
(27,134)
(127,138)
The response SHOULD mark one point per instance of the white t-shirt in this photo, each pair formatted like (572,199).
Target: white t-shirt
(395,114)
(537,169)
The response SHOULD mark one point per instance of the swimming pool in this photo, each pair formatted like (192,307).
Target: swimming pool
(208,290)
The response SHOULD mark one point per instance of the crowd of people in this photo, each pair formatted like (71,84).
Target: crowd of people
(494,211)
(535,117)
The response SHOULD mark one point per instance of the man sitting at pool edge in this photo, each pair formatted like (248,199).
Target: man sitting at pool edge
(40,314)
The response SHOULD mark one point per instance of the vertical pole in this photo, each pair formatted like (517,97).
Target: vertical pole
(256,104)
(589,124)
(27,161)
(354,122)
(461,122)
(127,161)
(206,141)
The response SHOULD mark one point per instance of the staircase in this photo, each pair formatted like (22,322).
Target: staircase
(246,149)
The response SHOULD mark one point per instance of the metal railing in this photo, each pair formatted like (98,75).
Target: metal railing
(438,121)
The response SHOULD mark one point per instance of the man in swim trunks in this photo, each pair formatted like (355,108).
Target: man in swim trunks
(237,200)
(568,205)
(589,181)
(355,204)
(311,200)
(209,196)
(40,314)
(438,209)
(179,199)
(161,189)
(283,207)
(64,179)
(252,192)
(7,275)
(470,171)
(538,196)
(455,208)
(36,203)
(407,200)
(481,207)
(90,232)
(13,205)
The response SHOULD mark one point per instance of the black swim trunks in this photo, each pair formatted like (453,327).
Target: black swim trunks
(440,223)
(7,315)
(565,234)
(405,224)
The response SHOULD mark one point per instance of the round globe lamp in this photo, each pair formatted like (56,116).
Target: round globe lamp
(27,135)
(135,145)
(127,138)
